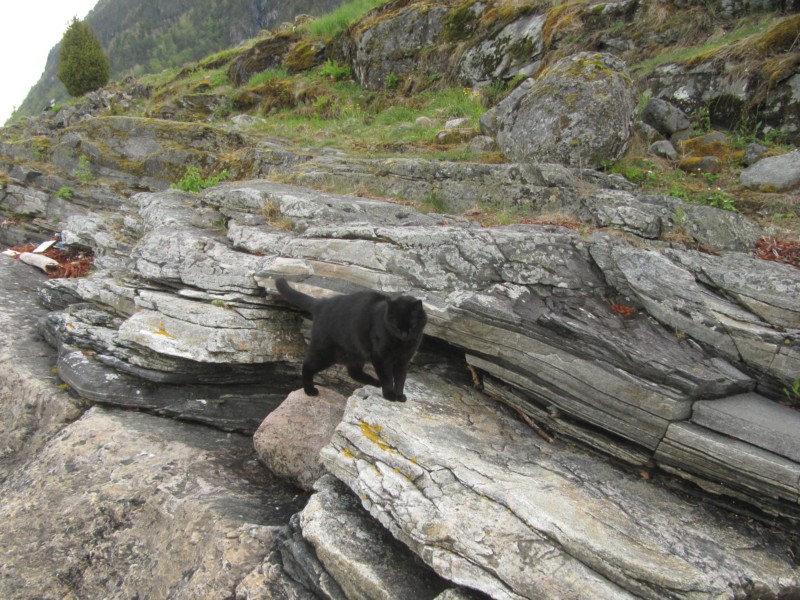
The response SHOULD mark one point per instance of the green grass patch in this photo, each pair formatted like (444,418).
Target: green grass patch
(334,23)
(268,76)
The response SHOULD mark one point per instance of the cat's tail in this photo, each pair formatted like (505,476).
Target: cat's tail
(299,299)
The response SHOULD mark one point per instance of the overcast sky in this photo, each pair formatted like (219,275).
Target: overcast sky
(30,29)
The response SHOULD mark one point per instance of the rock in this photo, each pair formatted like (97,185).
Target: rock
(291,571)
(700,164)
(116,493)
(265,54)
(717,228)
(721,464)
(579,113)
(516,49)
(424,122)
(663,149)
(346,538)
(482,143)
(486,517)
(706,314)
(666,118)
(773,174)
(288,441)
(454,136)
(387,47)
(753,153)
(459,123)
(33,408)
(755,420)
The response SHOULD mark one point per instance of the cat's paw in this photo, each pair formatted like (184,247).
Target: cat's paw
(312,391)
(392,397)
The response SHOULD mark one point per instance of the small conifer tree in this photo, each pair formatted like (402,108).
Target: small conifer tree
(82,63)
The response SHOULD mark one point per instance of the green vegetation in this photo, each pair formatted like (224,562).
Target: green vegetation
(82,64)
(193,181)
(267,76)
(83,172)
(335,71)
(334,23)
(65,193)
(792,393)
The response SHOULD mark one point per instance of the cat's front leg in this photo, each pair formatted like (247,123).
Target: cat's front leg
(384,372)
(400,372)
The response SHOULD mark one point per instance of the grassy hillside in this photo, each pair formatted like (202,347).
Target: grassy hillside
(147,36)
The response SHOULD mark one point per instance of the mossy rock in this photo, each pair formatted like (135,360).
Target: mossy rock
(305,55)
(265,54)
(698,165)
(711,144)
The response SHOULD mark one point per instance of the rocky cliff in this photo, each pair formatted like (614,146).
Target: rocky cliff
(594,412)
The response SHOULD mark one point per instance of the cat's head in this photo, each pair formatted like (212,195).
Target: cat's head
(405,317)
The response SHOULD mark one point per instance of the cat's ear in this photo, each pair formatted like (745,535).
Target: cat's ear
(418,305)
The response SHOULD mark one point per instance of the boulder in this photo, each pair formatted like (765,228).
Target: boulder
(524,518)
(579,113)
(663,149)
(773,174)
(288,441)
(666,118)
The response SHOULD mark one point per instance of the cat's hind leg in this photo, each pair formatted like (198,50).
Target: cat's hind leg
(356,371)
(313,364)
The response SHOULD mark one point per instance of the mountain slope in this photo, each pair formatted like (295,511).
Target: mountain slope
(146,36)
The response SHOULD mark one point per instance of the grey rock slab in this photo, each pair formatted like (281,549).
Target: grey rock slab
(720,229)
(767,288)
(755,420)
(362,556)
(33,407)
(773,174)
(724,465)
(211,333)
(122,505)
(491,506)
(231,407)
(677,296)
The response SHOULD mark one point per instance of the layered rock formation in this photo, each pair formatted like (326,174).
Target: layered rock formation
(647,371)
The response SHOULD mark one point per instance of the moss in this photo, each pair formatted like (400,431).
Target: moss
(703,146)
(561,18)
(461,23)
(304,55)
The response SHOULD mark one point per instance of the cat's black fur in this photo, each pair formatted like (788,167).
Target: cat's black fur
(361,327)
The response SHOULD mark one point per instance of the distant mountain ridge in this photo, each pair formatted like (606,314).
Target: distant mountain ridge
(147,36)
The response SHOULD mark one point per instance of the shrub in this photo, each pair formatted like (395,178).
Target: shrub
(335,71)
(192,181)
(82,63)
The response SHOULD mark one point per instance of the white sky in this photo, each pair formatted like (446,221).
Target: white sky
(30,28)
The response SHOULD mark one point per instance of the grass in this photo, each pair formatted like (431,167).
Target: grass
(330,25)
(342,115)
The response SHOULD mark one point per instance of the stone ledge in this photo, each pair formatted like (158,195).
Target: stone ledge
(753,419)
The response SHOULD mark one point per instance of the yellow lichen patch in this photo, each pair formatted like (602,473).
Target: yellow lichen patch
(162,331)
(373,434)
(347,454)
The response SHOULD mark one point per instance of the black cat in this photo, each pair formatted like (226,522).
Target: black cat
(361,327)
